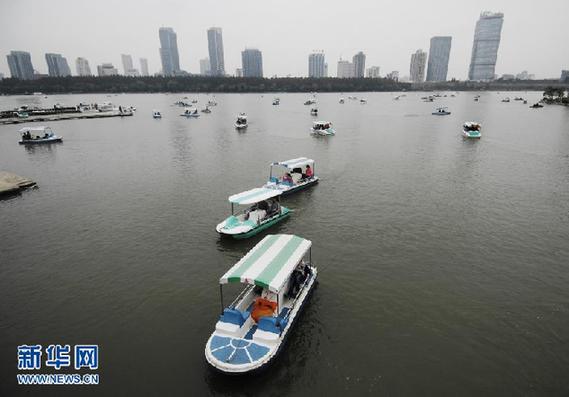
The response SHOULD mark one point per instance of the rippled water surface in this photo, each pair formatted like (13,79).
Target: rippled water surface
(443,263)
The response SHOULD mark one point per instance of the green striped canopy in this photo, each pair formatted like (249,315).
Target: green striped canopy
(270,263)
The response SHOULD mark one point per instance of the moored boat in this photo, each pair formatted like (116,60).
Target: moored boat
(241,122)
(441,112)
(471,130)
(38,135)
(263,209)
(293,175)
(279,276)
(322,128)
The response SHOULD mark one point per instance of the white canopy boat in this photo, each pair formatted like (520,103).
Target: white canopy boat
(206,110)
(211,102)
(190,112)
(263,210)
(279,278)
(310,102)
(314,111)
(342,100)
(471,130)
(363,101)
(441,112)
(38,135)
(322,128)
(156,114)
(241,122)
(276,101)
(293,175)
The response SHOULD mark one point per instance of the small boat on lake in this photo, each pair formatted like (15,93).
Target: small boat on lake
(441,112)
(314,111)
(38,135)
(471,130)
(506,100)
(363,101)
(322,128)
(279,277)
(263,209)
(310,102)
(293,175)
(276,101)
(241,122)
(156,114)
(190,112)
(206,110)
(536,106)
(342,100)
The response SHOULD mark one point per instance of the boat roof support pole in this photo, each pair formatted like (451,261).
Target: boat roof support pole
(221,296)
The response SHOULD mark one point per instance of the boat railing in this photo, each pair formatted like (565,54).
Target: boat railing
(303,285)
(241,296)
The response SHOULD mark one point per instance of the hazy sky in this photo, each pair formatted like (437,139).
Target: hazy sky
(534,35)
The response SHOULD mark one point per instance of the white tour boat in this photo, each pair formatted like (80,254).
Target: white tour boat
(241,122)
(310,102)
(190,112)
(322,128)
(156,114)
(314,111)
(342,100)
(363,101)
(441,112)
(279,277)
(276,101)
(38,135)
(263,209)
(293,175)
(471,130)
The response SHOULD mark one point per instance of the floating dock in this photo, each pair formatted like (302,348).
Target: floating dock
(64,116)
(12,184)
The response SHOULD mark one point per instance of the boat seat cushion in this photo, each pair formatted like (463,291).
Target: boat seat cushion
(234,316)
(269,324)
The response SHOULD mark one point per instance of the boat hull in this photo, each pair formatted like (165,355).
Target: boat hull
(40,141)
(466,135)
(240,126)
(266,362)
(294,189)
(250,233)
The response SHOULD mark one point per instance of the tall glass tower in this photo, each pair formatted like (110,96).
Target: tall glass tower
(169,51)
(252,60)
(215,47)
(485,48)
(437,66)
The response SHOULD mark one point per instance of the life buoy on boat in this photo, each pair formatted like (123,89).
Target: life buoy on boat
(263,307)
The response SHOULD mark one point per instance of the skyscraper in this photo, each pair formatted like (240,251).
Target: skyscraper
(373,72)
(215,47)
(126,63)
(107,69)
(317,65)
(359,61)
(252,61)
(20,63)
(144,67)
(439,53)
(57,65)
(82,66)
(417,69)
(169,51)
(345,69)
(205,67)
(485,47)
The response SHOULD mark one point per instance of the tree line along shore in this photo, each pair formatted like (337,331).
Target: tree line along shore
(156,84)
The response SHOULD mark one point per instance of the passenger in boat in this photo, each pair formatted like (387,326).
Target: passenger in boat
(287,178)
(309,173)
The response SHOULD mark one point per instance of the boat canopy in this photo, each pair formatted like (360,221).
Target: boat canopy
(36,129)
(254,196)
(321,123)
(295,163)
(270,263)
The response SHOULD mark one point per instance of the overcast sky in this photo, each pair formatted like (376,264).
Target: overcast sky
(534,35)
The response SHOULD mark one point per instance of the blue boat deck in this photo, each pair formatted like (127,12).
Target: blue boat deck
(237,351)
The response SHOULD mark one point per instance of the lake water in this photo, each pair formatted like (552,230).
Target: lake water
(443,263)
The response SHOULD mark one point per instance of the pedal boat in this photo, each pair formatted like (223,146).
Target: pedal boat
(279,277)
(471,130)
(263,210)
(297,170)
(322,128)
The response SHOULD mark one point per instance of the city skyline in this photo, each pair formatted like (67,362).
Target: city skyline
(355,33)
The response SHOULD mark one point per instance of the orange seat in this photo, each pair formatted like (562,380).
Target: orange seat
(263,307)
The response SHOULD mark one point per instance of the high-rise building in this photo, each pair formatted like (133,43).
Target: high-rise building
(417,68)
(345,69)
(317,65)
(359,61)
(215,47)
(252,62)
(144,67)
(238,72)
(126,63)
(373,72)
(82,67)
(57,65)
(439,54)
(107,69)
(485,47)
(205,67)
(169,51)
(564,76)
(20,64)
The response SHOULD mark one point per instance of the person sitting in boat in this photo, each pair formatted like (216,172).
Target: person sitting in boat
(308,173)
(287,179)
